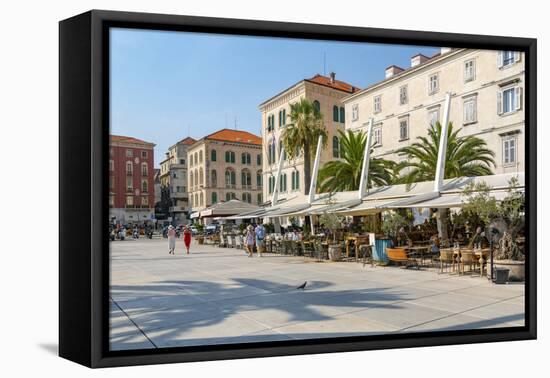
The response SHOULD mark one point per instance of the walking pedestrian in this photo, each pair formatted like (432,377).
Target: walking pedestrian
(260,239)
(171,240)
(187,238)
(249,240)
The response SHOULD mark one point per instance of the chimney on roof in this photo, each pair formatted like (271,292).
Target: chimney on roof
(332,77)
(418,59)
(445,50)
(393,70)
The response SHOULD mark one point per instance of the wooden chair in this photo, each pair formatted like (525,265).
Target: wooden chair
(400,257)
(446,257)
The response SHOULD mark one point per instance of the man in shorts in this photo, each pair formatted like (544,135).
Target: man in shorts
(260,239)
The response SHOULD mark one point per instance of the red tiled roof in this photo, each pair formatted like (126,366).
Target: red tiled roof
(229,135)
(336,84)
(188,141)
(127,139)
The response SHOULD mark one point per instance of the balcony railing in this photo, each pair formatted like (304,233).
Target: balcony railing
(129,173)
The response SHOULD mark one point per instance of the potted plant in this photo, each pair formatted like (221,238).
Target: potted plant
(332,222)
(502,222)
(393,226)
(200,235)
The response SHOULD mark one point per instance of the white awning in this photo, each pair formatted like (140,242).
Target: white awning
(195,215)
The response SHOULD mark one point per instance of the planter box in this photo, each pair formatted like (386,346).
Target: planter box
(335,252)
(517,268)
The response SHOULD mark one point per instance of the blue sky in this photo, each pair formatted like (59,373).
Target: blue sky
(168,85)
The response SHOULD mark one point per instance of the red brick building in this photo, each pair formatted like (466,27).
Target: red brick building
(131,180)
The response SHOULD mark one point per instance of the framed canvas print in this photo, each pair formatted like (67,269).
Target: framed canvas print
(251,188)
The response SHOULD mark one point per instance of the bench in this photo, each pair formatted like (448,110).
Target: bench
(400,256)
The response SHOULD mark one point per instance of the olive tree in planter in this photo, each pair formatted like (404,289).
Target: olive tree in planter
(392,223)
(332,222)
(504,219)
(200,229)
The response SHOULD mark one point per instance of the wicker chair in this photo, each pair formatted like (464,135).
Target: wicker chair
(467,258)
(446,257)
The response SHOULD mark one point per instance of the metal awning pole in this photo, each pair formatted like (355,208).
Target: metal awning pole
(442,152)
(313,184)
(366,160)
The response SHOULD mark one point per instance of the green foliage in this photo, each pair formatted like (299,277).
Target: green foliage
(269,228)
(345,174)
(392,222)
(301,134)
(199,226)
(466,156)
(510,212)
(479,201)
(331,221)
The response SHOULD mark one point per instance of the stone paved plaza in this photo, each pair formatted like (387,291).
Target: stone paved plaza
(218,295)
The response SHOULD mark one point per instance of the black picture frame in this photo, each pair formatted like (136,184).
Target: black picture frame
(83,196)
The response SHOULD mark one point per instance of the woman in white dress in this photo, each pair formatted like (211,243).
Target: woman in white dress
(171,240)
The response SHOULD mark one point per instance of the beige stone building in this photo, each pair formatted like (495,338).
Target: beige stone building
(173,175)
(225,165)
(487,101)
(327,94)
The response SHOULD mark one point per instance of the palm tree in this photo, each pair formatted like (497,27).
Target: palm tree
(345,174)
(301,134)
(466,156)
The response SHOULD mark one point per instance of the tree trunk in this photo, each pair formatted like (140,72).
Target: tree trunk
(443,226)
(307,168)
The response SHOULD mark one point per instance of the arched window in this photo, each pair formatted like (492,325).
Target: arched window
(246,179)
(282,183)
(335,114)
(271,152)
(144,169)
(342,115)
(200,156)
(247,197)
(317,106)
(201,176)
(144,186)
(213,155)
(335,147)
(229,157)
(260,198)
(230,180)
(214,198)
(295,180)
(245,158)
(196,201)
(196,177)
(196,158)
(190,160)
(284,117)
(129,168)
(259,179)
(229,196)
(259,159)
(271,184)
(201,201)
(214,178)
(191,181)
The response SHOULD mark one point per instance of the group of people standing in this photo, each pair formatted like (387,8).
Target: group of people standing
(255,236)
(172,239)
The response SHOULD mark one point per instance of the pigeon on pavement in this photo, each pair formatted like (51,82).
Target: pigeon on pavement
(302,286)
